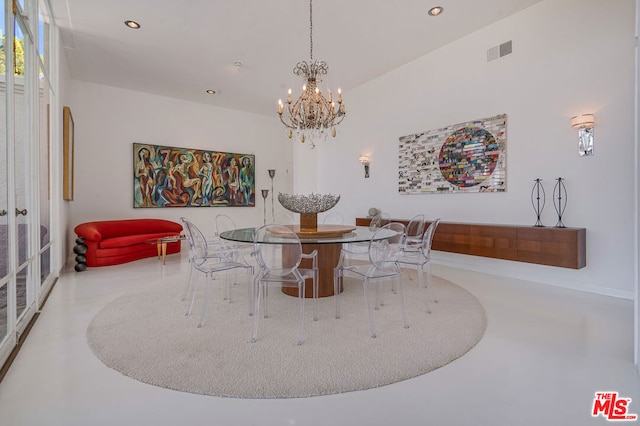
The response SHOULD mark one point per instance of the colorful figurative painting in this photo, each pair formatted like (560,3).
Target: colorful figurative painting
(465,157)
(181,177)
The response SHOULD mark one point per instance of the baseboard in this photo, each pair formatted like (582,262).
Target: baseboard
(526,272)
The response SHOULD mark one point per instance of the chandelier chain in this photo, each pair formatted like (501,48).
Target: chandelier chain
(311,30)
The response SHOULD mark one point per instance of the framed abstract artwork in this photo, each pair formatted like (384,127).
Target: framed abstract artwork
(67,153)
(166,176)
(465,157)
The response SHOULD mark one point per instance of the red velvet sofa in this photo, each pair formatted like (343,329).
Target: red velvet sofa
(112,242)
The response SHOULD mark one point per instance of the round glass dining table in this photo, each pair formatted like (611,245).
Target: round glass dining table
(328,247)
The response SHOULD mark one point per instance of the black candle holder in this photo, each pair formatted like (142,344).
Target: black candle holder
(559,202)
(538,200)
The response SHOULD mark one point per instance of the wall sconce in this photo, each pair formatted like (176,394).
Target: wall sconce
(584,124)
(364,159)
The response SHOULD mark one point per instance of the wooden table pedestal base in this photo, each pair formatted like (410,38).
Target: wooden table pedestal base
(328,256)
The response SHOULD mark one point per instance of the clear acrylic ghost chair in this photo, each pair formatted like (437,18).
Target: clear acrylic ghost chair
(334,218)
(283,219)
(360,251)
(383,252)
(415,231)
(213,250)
(379,221)
(192,252)
(421,257)
(226,223)
(278,252)
(209,262)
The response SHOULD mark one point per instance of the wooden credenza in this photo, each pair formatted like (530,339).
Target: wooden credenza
(563,247)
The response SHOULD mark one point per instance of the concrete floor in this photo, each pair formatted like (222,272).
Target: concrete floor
(545,354)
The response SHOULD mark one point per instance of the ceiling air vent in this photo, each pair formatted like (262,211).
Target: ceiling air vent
(499,51)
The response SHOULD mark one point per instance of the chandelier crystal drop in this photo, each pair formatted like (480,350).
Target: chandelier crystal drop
(312,116)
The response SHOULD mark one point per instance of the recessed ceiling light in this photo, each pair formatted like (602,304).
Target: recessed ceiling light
(132,24)
(211,92)
(435,11)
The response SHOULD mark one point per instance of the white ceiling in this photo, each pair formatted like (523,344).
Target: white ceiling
(186,47)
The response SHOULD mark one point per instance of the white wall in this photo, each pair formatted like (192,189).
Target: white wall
(569,57)
(61,220)
(109,120)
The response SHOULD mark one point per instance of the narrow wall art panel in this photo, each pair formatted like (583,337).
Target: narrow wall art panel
(465,157)
(181,177)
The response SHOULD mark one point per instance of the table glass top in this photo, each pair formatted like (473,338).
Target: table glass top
(360,234)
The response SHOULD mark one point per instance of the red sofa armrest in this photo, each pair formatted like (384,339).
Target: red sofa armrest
(88,231)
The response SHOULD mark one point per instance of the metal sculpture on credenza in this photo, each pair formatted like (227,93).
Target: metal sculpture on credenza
(538,200)
(559,202)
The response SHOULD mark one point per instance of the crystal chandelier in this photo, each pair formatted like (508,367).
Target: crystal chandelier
(312,115)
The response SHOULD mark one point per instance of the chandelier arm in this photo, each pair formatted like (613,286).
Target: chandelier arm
(340,118)
(286,124)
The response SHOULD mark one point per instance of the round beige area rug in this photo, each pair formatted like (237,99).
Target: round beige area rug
(147,336)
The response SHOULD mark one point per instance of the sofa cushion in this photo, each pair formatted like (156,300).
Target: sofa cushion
(129,253)
(130,240)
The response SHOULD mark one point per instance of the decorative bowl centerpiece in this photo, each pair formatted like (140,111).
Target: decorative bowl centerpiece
(308,206)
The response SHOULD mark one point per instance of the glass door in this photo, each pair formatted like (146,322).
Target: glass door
(44,192)
(7,339)
(23,181)
(25,158)
(43,233)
